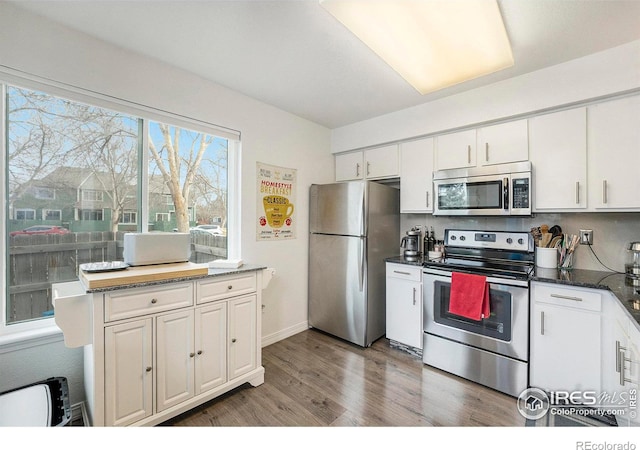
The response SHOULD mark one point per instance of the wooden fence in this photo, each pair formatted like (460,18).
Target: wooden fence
(37,261)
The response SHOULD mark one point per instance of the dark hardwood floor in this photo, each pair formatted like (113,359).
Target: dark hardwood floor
(316,380)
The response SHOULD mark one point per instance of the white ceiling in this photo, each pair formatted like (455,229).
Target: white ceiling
(294,55)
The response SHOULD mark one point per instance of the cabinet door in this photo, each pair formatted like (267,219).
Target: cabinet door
(456,150)
(211,346)
(128,362)
(242,335)
(349,166)
(175,359)
(633,374)
(404,312)
(565,348)
(381,162)
(558,153)
(416,176)
(503,143)
(614,154)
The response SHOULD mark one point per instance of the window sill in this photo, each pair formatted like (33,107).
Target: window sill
(32,338)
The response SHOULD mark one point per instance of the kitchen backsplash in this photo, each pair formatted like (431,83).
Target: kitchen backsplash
(611,232)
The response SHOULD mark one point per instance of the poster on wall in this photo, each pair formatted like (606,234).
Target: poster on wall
(276,202)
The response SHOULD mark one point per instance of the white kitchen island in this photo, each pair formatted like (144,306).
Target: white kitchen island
(153,350)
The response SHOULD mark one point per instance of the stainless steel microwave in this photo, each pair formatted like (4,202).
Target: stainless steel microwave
(498,190)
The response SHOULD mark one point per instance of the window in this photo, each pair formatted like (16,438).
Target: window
(95,154)
(51,214)
(92,214)
(25,214)
(129,217)
(91,196)
(43,193)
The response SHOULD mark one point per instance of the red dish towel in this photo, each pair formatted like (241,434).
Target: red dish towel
(469,296)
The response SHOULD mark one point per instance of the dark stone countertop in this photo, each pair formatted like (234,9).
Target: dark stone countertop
(592,279)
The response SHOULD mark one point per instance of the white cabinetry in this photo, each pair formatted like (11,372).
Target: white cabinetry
(620,361)
(372,164)
(156,352)
(503,143)
(565,338)
(614,154)
(404,304)
(558,153)
(416,176)
(456,150)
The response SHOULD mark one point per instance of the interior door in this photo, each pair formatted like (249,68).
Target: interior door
(337,286)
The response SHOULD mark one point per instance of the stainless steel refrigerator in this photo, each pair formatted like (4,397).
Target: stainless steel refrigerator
(353,227)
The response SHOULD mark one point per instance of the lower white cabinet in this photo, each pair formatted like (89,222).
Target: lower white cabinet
(565,338)
(620,362)
(159,351)
(404,304)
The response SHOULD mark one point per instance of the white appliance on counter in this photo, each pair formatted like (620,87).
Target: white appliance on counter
(354,226)
(142,249)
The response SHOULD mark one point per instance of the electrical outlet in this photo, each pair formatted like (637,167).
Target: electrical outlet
(586,237)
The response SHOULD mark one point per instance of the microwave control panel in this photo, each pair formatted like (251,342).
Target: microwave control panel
(520,192)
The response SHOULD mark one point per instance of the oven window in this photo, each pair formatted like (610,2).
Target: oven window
(497,325)
(477,195)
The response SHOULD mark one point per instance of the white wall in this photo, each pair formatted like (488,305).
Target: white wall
(601,74)
(31,44)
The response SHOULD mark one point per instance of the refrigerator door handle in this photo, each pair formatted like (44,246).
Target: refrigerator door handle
(361,265)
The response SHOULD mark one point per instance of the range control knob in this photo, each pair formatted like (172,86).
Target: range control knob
(509,240)
(520,241)
(452,237)
(462,238)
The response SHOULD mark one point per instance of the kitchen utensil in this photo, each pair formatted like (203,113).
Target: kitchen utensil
(544,228)
(556,241)
(555,230)
(545,240)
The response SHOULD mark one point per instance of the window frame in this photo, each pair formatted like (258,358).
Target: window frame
(45,211)
(84,193)
(17,210)
(44,329)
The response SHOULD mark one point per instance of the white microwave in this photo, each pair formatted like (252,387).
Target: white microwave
(499,190)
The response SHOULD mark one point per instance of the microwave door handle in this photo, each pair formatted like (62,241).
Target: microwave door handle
(506,193)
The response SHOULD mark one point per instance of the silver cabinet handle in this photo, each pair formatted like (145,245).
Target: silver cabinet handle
(401,273)
(357,169)
(414,296)
(427,199)
(468,154)
(368,167)
(566,297)
(542,323)
(577,192)
(619,349)
(486,152)
(604,191)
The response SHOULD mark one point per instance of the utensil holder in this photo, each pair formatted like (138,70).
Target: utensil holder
(547,257)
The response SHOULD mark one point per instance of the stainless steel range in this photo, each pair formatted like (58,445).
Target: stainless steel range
(492,351)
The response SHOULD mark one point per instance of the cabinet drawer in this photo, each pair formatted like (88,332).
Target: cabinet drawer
(228,286)
(404,272)
(142,301)
(565,296)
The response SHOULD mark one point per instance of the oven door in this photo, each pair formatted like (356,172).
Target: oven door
(505,331)
(481,195)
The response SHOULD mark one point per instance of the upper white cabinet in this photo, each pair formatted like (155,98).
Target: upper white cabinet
(614,154)
(496,144)
(558,153)
(456,150)
(416,176)
(375,163)
(503,143)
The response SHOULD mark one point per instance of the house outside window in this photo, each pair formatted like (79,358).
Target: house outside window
(92,214)
(162,217)
(129,217)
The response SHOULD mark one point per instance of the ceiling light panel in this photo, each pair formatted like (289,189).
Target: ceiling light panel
(432,44)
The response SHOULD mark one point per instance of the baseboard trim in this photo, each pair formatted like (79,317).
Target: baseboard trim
(283,334)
